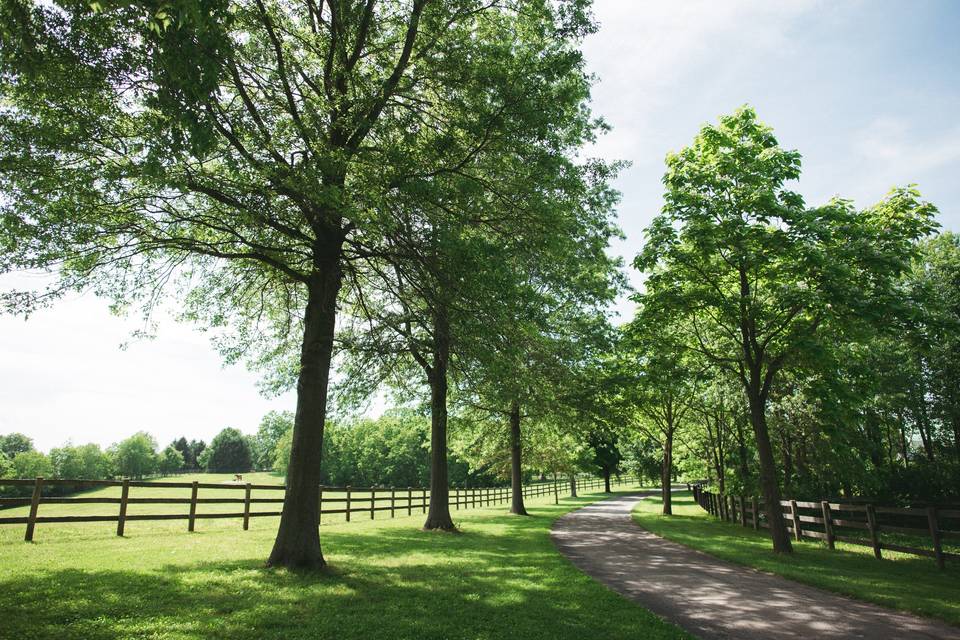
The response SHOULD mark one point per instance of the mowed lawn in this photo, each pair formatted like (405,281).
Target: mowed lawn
(899,581)
(501,577)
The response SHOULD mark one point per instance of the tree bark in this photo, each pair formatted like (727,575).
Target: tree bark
(742,451)
(438,515)
(297,544)
(573,485)
(516,469)
(606,480)
(903,441)
(768,474)
(666,469)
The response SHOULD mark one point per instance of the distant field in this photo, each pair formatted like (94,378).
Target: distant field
(332,500)
(500,578)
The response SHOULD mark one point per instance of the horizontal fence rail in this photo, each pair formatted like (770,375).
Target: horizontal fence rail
(862,523)
(346,501)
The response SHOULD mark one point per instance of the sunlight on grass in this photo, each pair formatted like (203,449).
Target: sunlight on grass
(898,581)
(500,578)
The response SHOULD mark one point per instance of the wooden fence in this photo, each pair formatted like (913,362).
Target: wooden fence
(840,521)
(346,501)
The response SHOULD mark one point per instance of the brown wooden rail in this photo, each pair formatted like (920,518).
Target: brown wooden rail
(826,517)
(346,501)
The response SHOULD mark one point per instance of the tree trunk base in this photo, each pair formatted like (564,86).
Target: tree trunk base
(519,512)
(299,561)
(440,525)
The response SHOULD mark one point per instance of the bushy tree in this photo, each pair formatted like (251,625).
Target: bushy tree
(31,464)
(136,456)
(85,461)
(273,427)
(229,452)
(14,443)
(171,461)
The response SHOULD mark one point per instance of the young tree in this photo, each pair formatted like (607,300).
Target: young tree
(657,387)
(756,277)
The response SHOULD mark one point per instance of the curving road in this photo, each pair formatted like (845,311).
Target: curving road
(715,599)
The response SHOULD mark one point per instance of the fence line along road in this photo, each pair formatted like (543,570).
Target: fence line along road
(912,524)
(346,501)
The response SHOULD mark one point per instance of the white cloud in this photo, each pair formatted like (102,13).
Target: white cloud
(647,55)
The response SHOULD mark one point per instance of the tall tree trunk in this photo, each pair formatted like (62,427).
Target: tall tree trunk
(787,448)
(516,469)
(298,538)
(956,436)
(438,516)
(904,450)
(768,471)
(666,469)
(573,485)
(742,451)
(606,479)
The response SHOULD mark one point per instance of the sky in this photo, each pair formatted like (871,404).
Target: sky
(868,92)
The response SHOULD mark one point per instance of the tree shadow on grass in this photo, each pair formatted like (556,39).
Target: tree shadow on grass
(501,578)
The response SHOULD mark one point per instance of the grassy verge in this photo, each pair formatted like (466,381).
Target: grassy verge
(899,581)
(500,578)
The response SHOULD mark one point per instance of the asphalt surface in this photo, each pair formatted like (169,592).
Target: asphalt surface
(715,599)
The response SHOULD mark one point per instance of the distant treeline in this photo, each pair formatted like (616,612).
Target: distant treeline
(391,451)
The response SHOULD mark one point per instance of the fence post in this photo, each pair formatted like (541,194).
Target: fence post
(373,501)
(797,532)
(409,501)
(34,506)
(827,523)
(743,510)
(423,502)
(935,535)
(193,506)
(456,499)
(872,525)
(246,507)
(348,503)
(756,513)
(122,516)
(320,506)
(556,493)
(393,501)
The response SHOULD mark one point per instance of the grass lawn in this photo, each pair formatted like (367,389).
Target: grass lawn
(899,581)
(500,578)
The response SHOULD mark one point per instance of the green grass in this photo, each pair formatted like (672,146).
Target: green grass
(500,578)
(898,581)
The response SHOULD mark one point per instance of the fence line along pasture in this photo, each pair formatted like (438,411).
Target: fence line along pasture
(346,501)
(832,522)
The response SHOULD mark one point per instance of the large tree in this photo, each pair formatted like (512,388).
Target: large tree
(241,150)
(760,280)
